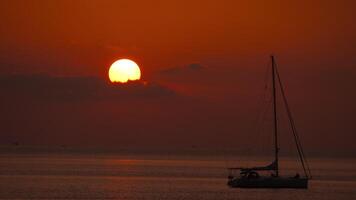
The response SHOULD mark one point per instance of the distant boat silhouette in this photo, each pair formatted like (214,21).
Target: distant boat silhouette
(250,178)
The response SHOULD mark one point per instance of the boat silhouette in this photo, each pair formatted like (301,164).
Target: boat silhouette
(250,177)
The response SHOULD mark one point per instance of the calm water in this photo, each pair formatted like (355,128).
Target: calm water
(88,176)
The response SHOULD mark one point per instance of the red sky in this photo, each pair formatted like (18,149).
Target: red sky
(229,41)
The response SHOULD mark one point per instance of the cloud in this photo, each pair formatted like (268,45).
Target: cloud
(188,69)
(43,87)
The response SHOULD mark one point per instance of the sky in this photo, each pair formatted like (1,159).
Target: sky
(204,64)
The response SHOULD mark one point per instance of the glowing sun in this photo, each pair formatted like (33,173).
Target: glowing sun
(124,70)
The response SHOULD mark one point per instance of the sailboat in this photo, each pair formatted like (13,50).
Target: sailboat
(249,177)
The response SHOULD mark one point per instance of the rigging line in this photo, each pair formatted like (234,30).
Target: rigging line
(256,125)
(267,102)
(262,99)
(297,141)
(262,122)
(294,130)
(302,151)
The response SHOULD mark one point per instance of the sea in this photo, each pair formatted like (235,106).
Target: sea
(149,176)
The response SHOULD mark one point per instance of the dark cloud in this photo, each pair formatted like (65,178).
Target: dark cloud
(191,68)
(195,66)
(41,109)
(43,87)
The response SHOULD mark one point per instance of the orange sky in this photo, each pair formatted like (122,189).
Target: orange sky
(84,37)
(228,41)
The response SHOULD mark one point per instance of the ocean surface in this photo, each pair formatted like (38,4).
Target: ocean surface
(119,176)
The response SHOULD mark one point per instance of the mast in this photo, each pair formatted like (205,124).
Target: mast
(275,115)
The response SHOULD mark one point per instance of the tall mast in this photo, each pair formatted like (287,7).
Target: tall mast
(275,115)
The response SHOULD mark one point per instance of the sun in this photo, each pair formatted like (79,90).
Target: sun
(124,70)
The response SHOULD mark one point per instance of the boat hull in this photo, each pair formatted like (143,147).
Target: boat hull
(269,182)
